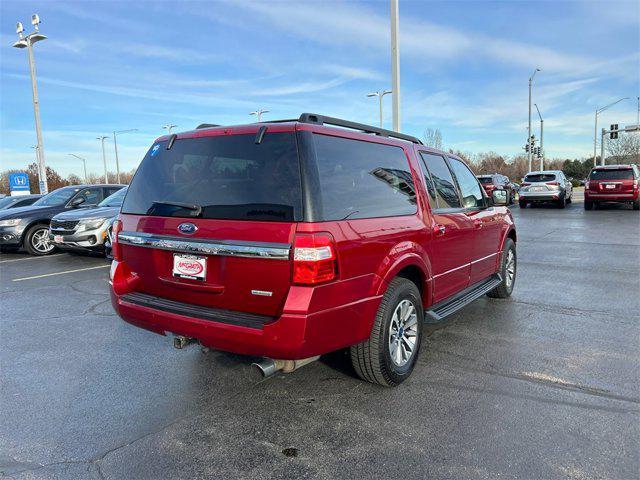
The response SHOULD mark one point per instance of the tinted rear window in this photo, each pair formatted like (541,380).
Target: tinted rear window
(230,177)
(540,177)
(610,174)
(363,179)
(485,180)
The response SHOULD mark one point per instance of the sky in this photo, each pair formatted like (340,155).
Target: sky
(465,67)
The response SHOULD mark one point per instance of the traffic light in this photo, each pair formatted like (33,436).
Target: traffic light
(614,131)
(526,148)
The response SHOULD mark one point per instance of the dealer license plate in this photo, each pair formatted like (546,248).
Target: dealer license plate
(189,266)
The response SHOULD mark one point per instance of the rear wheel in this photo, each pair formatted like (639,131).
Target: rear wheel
(36,240)
(588,205)
(636,204)
(389,355)
(522,203)
(508,270)
(561,202)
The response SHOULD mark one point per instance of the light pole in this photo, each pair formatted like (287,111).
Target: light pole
(84,162)
(104,157)
(380,95)
(595,130)
(258,113)
(28,42)
(529,129)
(115,145)
(395,64)
(168,127)
(541,138)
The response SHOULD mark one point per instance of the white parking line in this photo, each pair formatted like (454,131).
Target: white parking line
(59,273)
(30,258)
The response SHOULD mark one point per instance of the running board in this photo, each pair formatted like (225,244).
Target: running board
(443,309)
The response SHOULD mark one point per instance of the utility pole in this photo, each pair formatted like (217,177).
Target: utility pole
(395,64)
(115,145)
(28,42)
(258,113)
(595,130)
(380,95)
(541,138)
(104,158)
(602,147)
(84,163)
(529,128)
(168,127)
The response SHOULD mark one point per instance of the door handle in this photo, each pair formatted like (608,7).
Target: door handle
(439,230)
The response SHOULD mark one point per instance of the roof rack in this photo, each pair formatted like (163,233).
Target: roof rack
(323,120)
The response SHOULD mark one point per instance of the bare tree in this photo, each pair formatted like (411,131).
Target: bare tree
(624,149)
(433,138)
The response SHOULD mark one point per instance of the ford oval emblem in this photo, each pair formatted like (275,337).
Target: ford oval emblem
(187,228)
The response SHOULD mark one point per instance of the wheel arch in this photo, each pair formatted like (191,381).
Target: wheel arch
(39,221)
(413,268)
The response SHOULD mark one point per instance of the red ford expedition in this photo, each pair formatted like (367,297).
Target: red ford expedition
(292,239)
(612,183)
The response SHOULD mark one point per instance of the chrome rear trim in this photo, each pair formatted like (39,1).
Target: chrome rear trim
(270,251)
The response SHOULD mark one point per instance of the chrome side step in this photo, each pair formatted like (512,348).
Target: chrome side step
(441,310)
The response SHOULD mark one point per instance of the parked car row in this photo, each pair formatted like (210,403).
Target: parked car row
(28,227)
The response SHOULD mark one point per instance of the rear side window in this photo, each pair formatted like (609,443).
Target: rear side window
(230,177)
(611,174)
(363,179)
(446,192)
(469,186)
(540,177)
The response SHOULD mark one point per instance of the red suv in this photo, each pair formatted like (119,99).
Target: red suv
(612,183)
(292,239)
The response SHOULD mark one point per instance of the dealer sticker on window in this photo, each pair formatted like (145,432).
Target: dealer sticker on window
(189,266)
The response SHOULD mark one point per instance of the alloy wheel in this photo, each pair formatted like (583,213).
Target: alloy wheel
(40,241)
(403,333)
(510,268)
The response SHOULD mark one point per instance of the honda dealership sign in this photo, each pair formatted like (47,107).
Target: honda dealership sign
(19,183)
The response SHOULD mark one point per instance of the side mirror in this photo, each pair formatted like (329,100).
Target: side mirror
(76,202)
(499,197)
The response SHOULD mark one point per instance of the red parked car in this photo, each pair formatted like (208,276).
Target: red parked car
(612,183)
(292,239)
(498,182)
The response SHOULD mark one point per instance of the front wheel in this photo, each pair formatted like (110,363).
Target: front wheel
(508,270)
(36,240)
(389,355)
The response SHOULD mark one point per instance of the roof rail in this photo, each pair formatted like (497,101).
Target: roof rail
(323,120)
(206,125)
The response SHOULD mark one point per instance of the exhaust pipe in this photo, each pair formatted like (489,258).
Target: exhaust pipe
(268,366)
(180,341)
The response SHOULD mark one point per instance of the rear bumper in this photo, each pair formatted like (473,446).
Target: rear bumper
(289,336)
(611,197)
(549,196)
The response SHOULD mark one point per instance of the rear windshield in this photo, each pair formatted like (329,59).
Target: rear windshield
(611,174)
(540,177)
(224,177)
(485,180)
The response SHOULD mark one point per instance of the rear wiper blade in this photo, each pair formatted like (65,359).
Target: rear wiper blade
(197,209)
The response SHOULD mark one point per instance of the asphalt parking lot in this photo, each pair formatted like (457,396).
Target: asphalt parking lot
(542,385)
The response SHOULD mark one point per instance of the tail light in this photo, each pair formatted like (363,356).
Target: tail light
(635,184)
(586,185)
(553,183)
(314,258)
(115,246)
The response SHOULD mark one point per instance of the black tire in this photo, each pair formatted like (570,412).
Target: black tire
(561,202)
(570,199)
(588,205)
(522,203)
(636,204)
(371,359)
(506,287)
(30,240)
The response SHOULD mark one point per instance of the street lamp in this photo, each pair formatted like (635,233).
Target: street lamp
(28,42)
(258,113)
(84,162)
(380,95)
(541,138)
(168,127)
(529,129)
(102,138)
(395,64)
(595,131)
(115,145)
